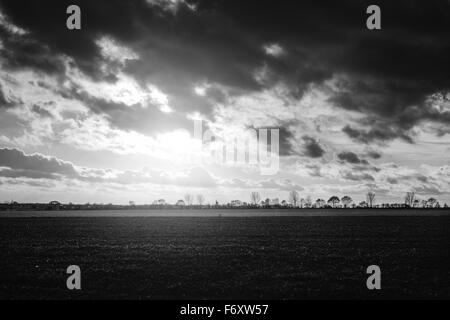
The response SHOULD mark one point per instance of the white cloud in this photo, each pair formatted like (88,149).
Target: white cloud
(12,28)
(171,5)
(77,128)
(274,49)
(201,89)
(111,50)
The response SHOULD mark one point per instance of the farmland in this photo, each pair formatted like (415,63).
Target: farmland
(227,257)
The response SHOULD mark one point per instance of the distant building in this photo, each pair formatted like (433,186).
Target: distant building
(180,203)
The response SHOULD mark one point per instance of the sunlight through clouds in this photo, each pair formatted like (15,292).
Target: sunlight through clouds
(129,93)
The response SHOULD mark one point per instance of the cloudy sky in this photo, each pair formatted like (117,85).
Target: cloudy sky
(106,113)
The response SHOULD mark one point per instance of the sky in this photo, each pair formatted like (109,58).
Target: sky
(106,114)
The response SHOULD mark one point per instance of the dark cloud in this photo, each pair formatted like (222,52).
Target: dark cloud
(357,176)
(351,157)
(427,190)
(378,134)
(6,102)
(42,112)
(144,119)
(31,174)
(284,185)
(16,164)
(35,166)
(285,135)
(379,80)
(311,147)
(387,75)
(422,178)
(392,180)
(345,101)
(24,52)
(3,101)
(374,154)
(33,183)
(286,140)
(46,22)
(183,48)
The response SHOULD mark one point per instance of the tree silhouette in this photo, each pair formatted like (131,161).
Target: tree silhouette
(370,198)
(302,202)
(200,199)
(346,200)
(333,201)
(308,202)
(409,199)
(189,199)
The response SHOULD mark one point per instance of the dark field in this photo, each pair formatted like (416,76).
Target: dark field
(225,257)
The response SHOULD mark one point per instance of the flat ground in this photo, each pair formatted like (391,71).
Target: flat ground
(224,257)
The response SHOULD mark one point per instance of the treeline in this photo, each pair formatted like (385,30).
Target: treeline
(294,202)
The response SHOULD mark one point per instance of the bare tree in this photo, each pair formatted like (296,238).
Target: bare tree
(346,201)
(200,199)
(370,198)
(409,199)
(293,198)
(308,202)
(189,198)
(255,197)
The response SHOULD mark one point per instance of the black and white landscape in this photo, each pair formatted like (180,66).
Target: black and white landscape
(224,149)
